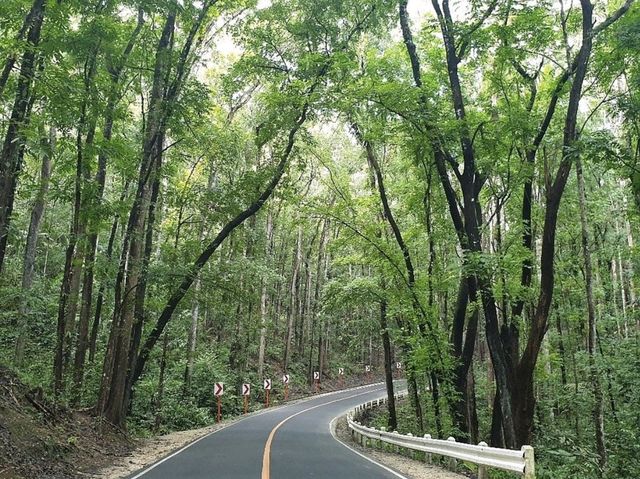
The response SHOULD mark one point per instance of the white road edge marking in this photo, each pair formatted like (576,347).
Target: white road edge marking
(333,434)
(156,464)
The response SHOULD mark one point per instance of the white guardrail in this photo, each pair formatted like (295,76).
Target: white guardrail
(521,462)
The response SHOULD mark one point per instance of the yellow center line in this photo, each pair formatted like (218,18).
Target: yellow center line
(266,457)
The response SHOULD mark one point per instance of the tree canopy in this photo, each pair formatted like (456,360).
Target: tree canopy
(207,190)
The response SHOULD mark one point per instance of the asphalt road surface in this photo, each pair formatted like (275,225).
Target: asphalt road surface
(289,442)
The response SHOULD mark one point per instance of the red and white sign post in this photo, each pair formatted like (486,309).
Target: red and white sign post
(341,377)
(285,380)
(267,388)
(218,391)
(246,392)
(367,370)
(316,380)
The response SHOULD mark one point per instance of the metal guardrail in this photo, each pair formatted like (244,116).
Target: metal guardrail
(521,462)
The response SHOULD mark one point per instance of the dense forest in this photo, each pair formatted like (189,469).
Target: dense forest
(216,190)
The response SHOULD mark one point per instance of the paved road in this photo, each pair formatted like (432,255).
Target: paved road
(288,442)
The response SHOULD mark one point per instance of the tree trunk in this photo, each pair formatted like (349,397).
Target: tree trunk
(295,268)
(37,214)
(74,258)
(264,309)
(113,390)
(83,340)
(409,280)
(168,80)
(100,298)
(392,423)
(33,16)
(141,287)
(157,403)
(191,339)
(524,399)
(598,409)
(11,157)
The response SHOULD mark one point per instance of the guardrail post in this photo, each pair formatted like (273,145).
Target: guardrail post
(427,455)
(452,461)
(383,444)
(396,448)
(409,451)
(482,470)
(529,462)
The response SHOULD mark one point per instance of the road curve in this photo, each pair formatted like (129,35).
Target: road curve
(289,442)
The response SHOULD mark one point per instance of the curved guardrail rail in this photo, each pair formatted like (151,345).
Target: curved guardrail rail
(521,462)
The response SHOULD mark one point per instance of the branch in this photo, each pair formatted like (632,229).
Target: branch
(211,248)
(464,44)
(613,18)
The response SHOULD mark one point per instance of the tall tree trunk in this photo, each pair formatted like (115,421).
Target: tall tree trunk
(410,280)
(33,16)
(598,408)
(157,403)
(141,287)
(524,399)
(11,155)
(392,422)
(264,309)
(28,268)
(113,390)
(100,298)
(195,307)
(293,290)
(74,258)
(192,338)
(84,342)
(630,272)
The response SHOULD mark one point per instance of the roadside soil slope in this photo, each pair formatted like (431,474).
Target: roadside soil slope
(41,441)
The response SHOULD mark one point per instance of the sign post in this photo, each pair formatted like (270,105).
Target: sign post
(218,391)
(267,388)
(367,370)
(285,380)
(316,380)
(399,368)
(341,377)
(246,392)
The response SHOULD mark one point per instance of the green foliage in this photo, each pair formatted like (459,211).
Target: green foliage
(320,259)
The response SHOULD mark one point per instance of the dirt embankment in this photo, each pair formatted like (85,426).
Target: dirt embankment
(41,441)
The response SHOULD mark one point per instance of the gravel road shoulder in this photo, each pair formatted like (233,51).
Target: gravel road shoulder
(410,468)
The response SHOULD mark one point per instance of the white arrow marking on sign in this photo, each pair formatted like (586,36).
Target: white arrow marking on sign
(285,379)
(367,369)
(267,384)
(246,389)
(398,365)
(341,371)
(316,375)
(219,389)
